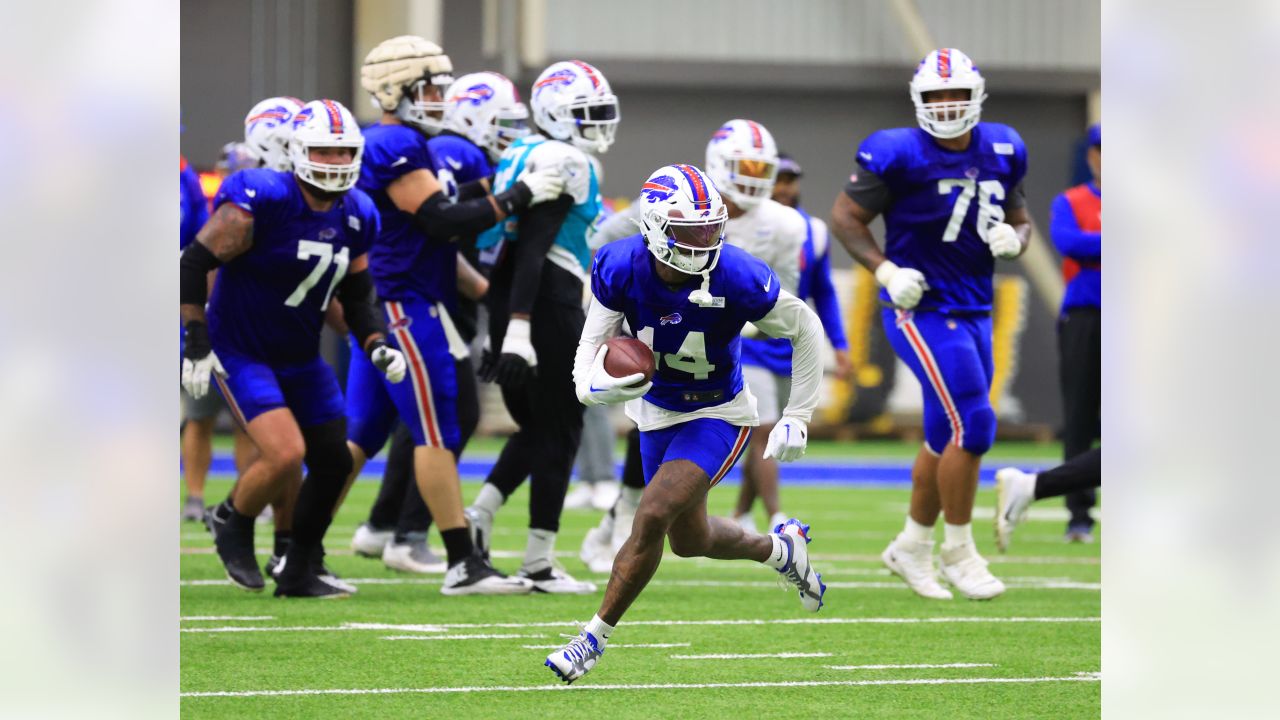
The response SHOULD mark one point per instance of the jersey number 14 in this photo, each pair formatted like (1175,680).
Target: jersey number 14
(690,358)
(308,249)
(989,213)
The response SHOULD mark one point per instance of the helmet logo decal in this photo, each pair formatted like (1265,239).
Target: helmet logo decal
(591,73)
(301,118)
(659,189)
(335,117)
(701,199)
(944,63)
(276,113)
(559,77)
(724,133)
(476,94)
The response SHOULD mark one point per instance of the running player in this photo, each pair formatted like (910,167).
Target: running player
(1016,490)
(687,295)
(953,203)
(285,243)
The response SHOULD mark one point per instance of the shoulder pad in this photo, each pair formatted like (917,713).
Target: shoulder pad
(573,162)
(880,151)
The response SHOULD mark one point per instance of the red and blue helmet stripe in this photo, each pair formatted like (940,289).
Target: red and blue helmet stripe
(757,139)
(944,63)
(591,73)
(335,116)
(698,185)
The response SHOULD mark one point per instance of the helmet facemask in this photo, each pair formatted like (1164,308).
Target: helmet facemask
(422,105)
(595,122)
(508,126)
(323,175)
(691,246)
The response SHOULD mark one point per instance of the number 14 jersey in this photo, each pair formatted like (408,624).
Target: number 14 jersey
(268,304)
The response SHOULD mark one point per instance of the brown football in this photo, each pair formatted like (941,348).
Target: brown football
(627,356)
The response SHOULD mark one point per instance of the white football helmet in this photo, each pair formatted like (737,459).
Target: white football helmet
(682,218)
(948,69)
(572,101)
(485,107)
(742,160)
(267,128)
(399,73)
(325,124)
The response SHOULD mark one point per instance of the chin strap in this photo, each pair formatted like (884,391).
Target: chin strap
(702,296)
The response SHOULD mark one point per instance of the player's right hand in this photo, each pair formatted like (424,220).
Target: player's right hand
(601,388)
(196,372)
(545,184)
(905,285)
(389,360)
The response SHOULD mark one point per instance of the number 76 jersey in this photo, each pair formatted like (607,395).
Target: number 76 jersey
(268,304)
(941,203)
(697,349)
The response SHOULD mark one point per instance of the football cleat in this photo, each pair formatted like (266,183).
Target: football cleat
(370,542)
(267,515)
(480,525)
(577,658)
(1079,534)
(797,571)
(475,576)
(913,562)
(192,509)
(309,585)
(413,556)
(555,581)
(776,519)
(235,550)
(747,522)
(604,494)
(276,563)
(1015,490)
(580,497)
(967,571)
(215,517)
(597,551)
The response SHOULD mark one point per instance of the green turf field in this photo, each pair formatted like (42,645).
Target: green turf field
(400,649)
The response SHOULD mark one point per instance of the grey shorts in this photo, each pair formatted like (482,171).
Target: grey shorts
(204,408)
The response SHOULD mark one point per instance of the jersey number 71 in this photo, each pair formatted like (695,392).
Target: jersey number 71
(324,251)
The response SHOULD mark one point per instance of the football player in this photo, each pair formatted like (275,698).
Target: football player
(540,261)
(1016,490)
(196,456)
(687,295)
(285,243)
(414,267)
(953,203)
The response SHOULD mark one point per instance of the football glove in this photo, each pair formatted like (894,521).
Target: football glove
(198,360)
(601,388)
(787,440)
(388,360)
(905,285)
(517,364)
(1003,241)
(545,184)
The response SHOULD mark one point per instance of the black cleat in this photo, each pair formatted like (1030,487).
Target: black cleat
(235,549)
(308,585)
(215,518)
(271,567)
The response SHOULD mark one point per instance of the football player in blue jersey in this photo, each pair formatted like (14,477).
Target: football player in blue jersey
(687,295)
(540,261)
(414,266)
(483,115)
(953,203)
(285,243)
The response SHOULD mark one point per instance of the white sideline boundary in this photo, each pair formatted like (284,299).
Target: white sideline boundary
(444,627)
(653,686)
(752,656)
(911,666)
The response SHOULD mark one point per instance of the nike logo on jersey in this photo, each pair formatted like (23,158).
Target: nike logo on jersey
(767,282)
(353,222)
(864,155)
(400,162)
(453,163)
(251,192)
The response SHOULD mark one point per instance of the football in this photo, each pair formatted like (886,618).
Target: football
(627,356)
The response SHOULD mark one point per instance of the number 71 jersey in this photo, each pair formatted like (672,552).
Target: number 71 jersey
(697,349)
(942,203)
(268,304)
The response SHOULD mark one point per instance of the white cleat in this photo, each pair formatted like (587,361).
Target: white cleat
(1015,491)
(965,569)
(555,581)
(580,497)
(597,553)
(798,571)
(371,543)
(577,658)
(622,522)
(605,494)
(480,525)
(414,557)
(778,518)
(747,522)
(475,576)
(913,562)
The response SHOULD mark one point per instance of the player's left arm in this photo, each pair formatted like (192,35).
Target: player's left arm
(791,318)
(471,283)
(226,236)
(360,310)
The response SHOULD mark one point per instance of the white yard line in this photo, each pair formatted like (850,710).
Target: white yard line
(612,646)
(841,584)
(460,637)
(912,666)
(203,618)
(655,686)
(750,656)
(444,627)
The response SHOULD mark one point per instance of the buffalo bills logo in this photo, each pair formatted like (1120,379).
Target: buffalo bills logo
(301,118)
(659,189)
(559,77)
(971,173)
(400,324)
(476,94)
(724,133)
(672,319)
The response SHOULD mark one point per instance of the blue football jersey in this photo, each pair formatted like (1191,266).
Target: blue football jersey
(457,161)
(942,202)
(405,263)
(697,348)
(193,207)
(268,304)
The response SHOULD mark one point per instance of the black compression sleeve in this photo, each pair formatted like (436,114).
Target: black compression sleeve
(360,306)
(868,190)
(438,218)
(472,190)
(1017,197)
(537,233)
(193,280)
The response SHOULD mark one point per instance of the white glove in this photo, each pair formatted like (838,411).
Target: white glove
(601,388)
(905,285)
(788,440)
(1003,241)
(390,361)
(545,184)
(195,374)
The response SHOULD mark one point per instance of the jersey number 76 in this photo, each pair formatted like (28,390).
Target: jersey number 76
(989,213)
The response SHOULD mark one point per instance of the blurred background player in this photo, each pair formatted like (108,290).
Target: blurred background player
(264,325)
(414,266)
(1016,490)
(687,295)
(540,261)
(946,190)
(197,451)
(1075,223)
(483,115)
(742,160)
